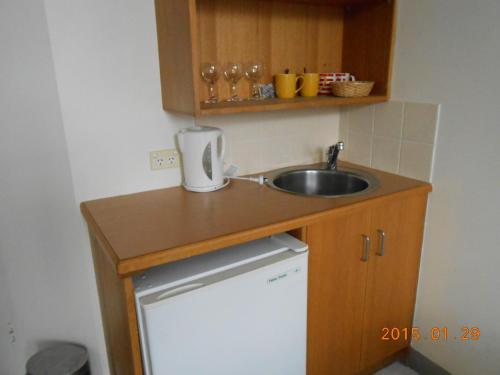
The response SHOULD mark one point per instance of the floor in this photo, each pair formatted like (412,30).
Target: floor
(396,369)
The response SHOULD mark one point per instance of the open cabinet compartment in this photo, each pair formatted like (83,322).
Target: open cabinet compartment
(354,36)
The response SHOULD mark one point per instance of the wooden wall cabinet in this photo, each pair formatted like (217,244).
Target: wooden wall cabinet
(354,36)
(351,300)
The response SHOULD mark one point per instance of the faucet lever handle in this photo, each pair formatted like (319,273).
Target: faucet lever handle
(333,153)
(339,145)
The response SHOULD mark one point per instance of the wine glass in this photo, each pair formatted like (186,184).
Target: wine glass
(254,72)
(232,73)
(210,74)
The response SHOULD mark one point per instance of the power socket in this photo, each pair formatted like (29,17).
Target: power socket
(164,159)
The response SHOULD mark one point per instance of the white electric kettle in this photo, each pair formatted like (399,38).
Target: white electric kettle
(202,150)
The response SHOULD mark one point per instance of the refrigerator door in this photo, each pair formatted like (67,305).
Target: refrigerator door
(247,320)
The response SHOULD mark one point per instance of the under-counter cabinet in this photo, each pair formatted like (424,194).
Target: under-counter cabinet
(336,293)
(363,276)
(354,36)
(364,255)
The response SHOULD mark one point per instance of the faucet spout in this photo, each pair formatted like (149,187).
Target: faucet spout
(333,154)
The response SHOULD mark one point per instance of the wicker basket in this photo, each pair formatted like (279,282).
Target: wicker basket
(352,89)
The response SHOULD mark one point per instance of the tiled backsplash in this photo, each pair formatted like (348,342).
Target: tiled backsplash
(263,141)
(397,137)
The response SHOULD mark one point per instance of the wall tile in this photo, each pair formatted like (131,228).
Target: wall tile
(416,160)
(420,122)
(281,123)
(304,150)
(385,154)
(361,119)
(388,120)
(343,122)
(343,125)
(397,137)
(277,152)
(360,148)
(326,134)
(247,155)
(275,125)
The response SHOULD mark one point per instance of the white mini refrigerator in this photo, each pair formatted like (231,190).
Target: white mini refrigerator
(241,310)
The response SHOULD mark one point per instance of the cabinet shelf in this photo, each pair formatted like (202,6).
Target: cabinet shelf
(276,104)
(354,36)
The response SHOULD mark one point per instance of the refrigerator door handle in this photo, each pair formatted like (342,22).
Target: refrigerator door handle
(178,290)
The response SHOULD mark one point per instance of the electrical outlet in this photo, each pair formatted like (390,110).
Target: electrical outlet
(163,159)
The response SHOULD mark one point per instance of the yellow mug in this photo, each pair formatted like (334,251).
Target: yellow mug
(286,85)
(311,84)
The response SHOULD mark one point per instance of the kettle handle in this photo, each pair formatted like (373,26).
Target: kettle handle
(223,147)
(180,141)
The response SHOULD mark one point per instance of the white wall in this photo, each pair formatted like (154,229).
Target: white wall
(106,60)
(10,359)
(447,52)
(47,289)
(81,109)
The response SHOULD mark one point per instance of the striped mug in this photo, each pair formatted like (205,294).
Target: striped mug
(326,80)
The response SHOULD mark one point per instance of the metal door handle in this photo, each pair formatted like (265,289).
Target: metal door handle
(381,249)
(366,250)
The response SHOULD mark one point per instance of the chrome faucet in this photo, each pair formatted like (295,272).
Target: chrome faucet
(333,154)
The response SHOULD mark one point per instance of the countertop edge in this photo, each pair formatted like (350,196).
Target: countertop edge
(135,265)
(99,236)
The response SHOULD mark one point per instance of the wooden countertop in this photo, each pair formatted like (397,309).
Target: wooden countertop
(142,230)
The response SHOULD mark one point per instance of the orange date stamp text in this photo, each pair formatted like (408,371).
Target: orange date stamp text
(435,334)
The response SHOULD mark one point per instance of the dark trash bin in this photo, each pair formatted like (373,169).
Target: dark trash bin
(62,359)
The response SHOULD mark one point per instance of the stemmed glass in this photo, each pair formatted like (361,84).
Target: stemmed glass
(232,74)
(210,74)
(253,72)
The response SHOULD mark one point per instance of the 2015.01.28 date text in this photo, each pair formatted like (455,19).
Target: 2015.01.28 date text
(435,334)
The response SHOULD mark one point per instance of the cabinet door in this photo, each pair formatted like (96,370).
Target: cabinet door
(392,276)
(337,280)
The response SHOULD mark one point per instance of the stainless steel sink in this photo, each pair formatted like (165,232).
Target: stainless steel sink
(323,182)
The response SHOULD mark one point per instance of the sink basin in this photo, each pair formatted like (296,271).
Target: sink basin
(323,182)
